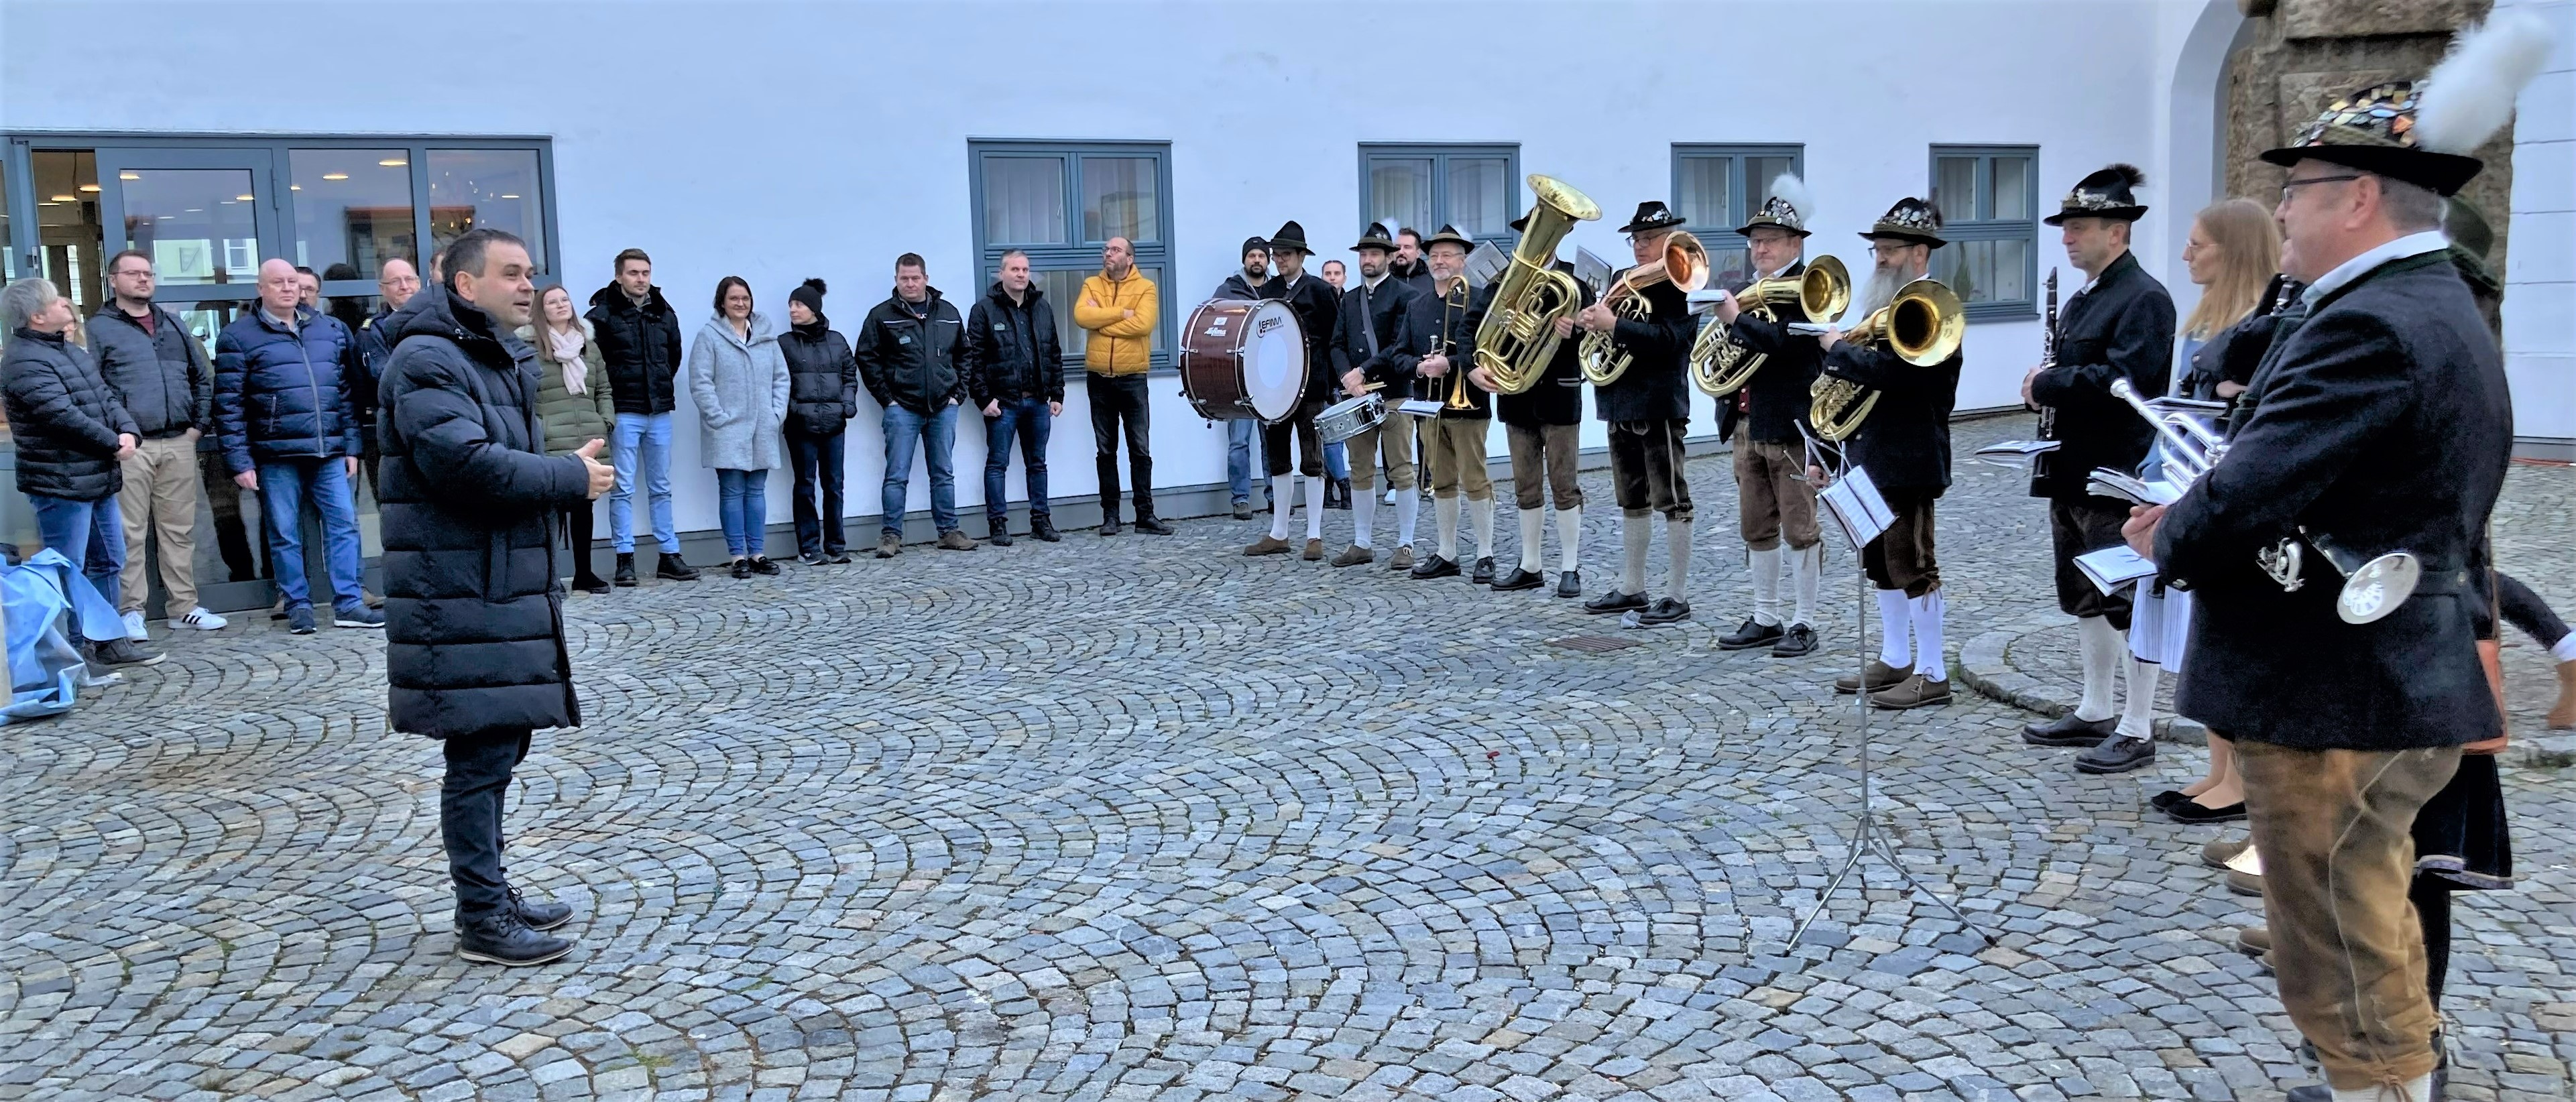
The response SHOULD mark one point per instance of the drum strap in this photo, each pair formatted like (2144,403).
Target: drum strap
(1368,317)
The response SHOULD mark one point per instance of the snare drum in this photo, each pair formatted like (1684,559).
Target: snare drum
(1243,358)
(1350,417)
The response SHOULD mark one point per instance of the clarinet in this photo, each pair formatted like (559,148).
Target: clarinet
(2040,466)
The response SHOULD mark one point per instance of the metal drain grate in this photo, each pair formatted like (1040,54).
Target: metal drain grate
(1595,644)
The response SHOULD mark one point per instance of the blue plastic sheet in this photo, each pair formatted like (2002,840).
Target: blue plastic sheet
(47,602)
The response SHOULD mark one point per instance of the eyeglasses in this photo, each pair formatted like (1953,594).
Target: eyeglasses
(2287,188)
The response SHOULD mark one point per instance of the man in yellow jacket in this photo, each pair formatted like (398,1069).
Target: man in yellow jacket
(1119,309)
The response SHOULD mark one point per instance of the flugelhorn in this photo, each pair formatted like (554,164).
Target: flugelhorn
(1720,366)
(1518,336)
(1923,325)
(1684,265)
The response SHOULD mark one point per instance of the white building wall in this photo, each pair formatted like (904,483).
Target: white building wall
(2540,260)
(783,141)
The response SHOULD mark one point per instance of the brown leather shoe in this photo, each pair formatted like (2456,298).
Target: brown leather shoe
(2254,941)
(1267,545)
(2563,714)
(1917,691)
(1402,559)
(2244,883)
(954,540)
(2217,852)
(1354,555)
(1881,676)
(1314,550)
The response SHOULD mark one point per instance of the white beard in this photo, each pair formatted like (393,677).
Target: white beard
(1881,290)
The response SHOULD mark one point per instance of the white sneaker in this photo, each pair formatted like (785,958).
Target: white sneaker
(134,626)
(201,619)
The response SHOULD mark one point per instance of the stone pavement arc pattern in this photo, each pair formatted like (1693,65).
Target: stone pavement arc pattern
(1145,819)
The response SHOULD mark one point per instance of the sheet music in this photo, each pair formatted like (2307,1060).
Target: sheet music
(2114,567)
(1591,271)
(2136,491)
(1486,264)
(1857,508)
(2018,447)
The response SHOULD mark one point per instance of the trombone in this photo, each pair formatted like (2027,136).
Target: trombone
(1685,265)
(1461,397)
(1923,325)
(1719,365)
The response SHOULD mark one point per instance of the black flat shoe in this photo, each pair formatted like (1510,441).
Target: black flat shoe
(741,568)
(2192,813)
(1518,579)
(2117,754)
(1569,584)
(2066,730)
(590,585)
(1434,567)
(1798,642)
(1153,526)
(2166,799)
(1614,601)
(1753,633)
(1665,610)
(765,566)
(1484,572)
(501,938)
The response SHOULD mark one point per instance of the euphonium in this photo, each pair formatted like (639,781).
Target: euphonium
(1518,336)
(1719,366)
(1922,325)
(1685,265)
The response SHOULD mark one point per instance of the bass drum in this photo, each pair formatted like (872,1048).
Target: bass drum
(1243,358)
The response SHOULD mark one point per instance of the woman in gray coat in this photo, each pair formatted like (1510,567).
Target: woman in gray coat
(738,377)
(574,407)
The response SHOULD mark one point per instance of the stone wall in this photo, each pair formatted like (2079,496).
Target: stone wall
(2299,55)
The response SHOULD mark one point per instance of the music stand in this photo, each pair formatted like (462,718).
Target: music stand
(1857,509)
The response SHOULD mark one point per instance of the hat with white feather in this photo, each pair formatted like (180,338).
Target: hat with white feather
(1788,208)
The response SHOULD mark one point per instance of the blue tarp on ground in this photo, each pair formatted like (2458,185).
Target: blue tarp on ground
(47,603)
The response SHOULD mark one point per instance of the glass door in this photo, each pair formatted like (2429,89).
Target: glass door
(205,216)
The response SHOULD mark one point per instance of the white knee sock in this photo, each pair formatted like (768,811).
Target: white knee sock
(1805,566)
(1408,507)
(1481,511)
(1446,510)
(2138,708)
(1533,529)
(1895,632)
(1632,545)
(2102,652)
(1569,538)
(1314,507)
(2564,650)
(1766,585)
(1927,611)
(1281,500)
(1677,545)
(2417,1091)
(1363,517)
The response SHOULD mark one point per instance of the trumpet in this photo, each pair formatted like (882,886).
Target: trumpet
(1518,336)
(1923,325)
(1720,366)
(2371,589)
(1685,265)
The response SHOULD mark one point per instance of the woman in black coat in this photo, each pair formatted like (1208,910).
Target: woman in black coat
(822,396)
(72,433)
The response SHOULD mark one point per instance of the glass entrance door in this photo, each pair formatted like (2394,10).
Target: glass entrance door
(205,217)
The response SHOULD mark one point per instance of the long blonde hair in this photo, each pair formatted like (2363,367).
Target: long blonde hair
(2249,255)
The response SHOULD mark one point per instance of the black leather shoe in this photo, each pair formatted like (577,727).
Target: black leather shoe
(2165,799)
(1484,572)
(1614,601)
(590,584)
(766,567)
(1153,526)
(1434,567)
(1569,584)
(2066,730)
(998,533)
(1797,642)
(1754,633)
(501,938)
(2194,813)
(2313,1092)
(676,569)
(1044,529)
(1519,579)
(1109,527)
(626,570)
(1665,610)
(741,568)
(540,916)
(2117,754)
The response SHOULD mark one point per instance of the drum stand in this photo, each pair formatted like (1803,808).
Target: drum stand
(1867,835)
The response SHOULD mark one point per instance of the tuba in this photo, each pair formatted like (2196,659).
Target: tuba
(1685,265)
(1720,366)
(1518,336)
(1922,325)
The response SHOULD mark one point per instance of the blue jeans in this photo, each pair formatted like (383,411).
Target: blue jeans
(742,506)
(817,463)
(89,533)
(905,430)
(1337,460)
(650,434)
(1028,420)
(1240,435)
(284,486)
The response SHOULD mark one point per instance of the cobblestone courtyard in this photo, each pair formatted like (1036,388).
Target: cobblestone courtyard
(1142,818)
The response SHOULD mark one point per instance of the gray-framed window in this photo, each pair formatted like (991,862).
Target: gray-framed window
(1473,187)
(1717,187)
(1988,195)
(1060,202)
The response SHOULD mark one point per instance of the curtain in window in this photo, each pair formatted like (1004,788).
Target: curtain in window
(1024,200)
(1119,199)
(1400,192)
(1479,197)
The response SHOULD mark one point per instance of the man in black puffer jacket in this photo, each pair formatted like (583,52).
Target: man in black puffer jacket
(71,434)
(639,344)
(475,650)
(162,376)
(1015,374)
(822,396)
(908,356)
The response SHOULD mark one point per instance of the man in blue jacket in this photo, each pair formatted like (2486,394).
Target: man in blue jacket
(282,377)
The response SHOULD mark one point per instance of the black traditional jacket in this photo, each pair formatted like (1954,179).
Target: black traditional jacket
(2123,328)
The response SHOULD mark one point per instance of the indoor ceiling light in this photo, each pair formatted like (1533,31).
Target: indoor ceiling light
(393,162)
(129,175)
(335,175)
(509,197)
(294,187)
(194,210)
(242,198)
(163,217)
(89,187)
(64,199)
